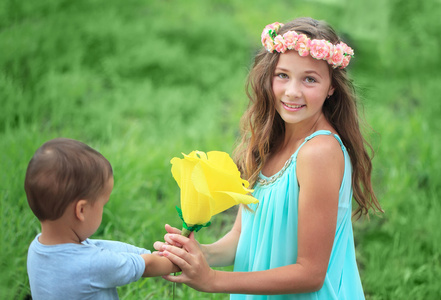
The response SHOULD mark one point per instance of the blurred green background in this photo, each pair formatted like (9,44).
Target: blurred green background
(143,81)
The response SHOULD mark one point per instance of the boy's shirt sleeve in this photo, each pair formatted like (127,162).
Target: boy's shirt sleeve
(116,246)
(109,268)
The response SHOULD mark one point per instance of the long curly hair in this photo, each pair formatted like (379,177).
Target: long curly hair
(263,129)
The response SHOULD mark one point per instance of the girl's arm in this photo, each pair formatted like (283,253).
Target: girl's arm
(223,252)
(156,265)
(320,167)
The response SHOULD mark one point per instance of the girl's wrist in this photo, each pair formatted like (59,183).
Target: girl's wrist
(213,283)
(205,251)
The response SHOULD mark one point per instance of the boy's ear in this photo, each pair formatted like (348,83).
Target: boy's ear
(80,208)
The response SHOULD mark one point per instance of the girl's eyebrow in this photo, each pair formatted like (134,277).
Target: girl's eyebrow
(313,72)
(308,72)
(281,69)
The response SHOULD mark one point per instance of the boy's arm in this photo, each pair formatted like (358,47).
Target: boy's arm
(116,246)
(156,265)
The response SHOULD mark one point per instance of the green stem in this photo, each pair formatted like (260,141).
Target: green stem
(185,232)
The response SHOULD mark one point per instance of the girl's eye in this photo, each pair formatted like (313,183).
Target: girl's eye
(282,75)
(310,79)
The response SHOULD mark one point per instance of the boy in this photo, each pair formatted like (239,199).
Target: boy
(67,185)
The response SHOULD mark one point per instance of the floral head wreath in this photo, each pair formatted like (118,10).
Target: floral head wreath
(338,56)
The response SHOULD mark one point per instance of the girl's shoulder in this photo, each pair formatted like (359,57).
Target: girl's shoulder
(321,160)
(321,147)
(322,141)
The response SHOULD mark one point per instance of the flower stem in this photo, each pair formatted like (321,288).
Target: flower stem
(185,232)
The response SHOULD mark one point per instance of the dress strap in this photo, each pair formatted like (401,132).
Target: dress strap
(263,180)
(321,132)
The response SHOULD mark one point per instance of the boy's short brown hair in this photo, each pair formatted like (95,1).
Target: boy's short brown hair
(63,171)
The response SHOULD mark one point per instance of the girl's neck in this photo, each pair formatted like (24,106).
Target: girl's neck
(295,134)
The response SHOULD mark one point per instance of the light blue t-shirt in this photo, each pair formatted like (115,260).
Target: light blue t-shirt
(269,236)
(91,270)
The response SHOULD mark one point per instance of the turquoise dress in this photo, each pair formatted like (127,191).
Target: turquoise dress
(269,236)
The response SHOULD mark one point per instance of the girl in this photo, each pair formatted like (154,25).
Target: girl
(303,152)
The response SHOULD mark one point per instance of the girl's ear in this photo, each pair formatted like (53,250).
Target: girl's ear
(331,91)
(80,208)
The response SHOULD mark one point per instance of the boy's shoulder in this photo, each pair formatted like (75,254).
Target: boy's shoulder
(38,247)
(74,268)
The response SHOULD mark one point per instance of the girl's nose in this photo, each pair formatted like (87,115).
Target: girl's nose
(292,89)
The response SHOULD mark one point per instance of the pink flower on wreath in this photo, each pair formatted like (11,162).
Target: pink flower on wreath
(267,41)
(268,44)
(290,39)
(279,44)
(275,26)
(265,37)
(268,35)
(320,49)
(337,56)
(345,61)
(348,50)
(302,45)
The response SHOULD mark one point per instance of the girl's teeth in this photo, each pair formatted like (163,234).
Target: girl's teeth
(293,106)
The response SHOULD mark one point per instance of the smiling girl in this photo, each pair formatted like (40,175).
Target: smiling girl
(304,155)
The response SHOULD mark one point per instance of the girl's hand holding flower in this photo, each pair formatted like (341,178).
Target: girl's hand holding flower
(196,272)
(159,246)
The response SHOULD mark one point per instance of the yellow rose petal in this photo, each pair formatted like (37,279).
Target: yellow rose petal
(197,210)
(228,199)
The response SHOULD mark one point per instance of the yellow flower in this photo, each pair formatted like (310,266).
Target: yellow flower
(210,183)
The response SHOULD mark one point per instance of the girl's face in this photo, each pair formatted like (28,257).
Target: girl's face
(300,86)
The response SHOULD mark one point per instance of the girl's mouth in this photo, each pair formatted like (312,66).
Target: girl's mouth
(293,106)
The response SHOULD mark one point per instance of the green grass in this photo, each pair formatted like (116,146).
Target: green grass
(143,81)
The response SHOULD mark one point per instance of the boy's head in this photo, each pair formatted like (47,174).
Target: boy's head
(63,171)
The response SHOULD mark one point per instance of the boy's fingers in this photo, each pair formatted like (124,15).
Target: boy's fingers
(158,245)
